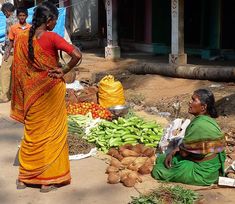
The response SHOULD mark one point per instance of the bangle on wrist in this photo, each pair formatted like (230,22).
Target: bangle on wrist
(65,68)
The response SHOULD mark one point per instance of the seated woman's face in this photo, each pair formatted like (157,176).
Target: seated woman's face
(195,106)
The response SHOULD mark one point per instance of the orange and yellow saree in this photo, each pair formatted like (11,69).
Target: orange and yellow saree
(38,102)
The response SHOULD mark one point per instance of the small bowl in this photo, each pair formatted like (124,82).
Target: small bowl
(119,110)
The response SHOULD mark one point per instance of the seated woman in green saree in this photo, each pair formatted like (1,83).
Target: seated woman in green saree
(199,159)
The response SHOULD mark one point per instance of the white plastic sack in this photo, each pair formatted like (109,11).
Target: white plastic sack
(83,156)
(75,86)
(173,134)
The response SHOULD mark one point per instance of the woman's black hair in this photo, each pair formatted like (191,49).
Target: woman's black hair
(21,10)
(42,13)
(8,7)
(207,98)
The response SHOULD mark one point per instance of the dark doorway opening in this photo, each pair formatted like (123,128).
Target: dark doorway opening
(227,24)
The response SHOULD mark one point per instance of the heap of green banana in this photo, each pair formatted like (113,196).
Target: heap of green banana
(122,131)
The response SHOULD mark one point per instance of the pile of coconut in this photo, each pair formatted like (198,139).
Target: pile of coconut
(129,162)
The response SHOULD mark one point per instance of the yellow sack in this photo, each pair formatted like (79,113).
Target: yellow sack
(110,92)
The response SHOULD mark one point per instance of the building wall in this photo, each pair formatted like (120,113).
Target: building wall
(85,17)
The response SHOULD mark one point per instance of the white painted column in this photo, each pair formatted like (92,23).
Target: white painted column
(112,51)
(177,56)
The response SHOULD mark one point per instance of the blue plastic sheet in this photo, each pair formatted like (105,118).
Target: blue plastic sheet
(60,26)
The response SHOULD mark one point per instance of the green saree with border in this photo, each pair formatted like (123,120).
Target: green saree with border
(203,138)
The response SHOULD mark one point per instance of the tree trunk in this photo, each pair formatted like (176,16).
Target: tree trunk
(213,73)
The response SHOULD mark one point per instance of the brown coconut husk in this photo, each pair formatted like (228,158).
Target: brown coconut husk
(153,159)
(144,169)
(140,148)
(111,169)
(116,163)
(140,160)
(112,152)
(147,167)
(126,161)
(134,175)
(129,182)
(137,149)
(149,152)
(126,146)
(119,157)
(114,178)
(137,163)
(124,173)
(129,153)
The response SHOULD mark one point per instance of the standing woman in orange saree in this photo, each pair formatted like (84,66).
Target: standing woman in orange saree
(38,101)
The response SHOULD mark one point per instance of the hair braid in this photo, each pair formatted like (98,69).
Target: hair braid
(30,43)
(41,15)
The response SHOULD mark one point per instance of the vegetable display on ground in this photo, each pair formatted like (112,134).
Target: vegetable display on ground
(167,194)
(96,110)
(128,162)
(132,130)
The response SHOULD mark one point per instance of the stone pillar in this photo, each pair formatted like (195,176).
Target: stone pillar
(177,56)
(112,51)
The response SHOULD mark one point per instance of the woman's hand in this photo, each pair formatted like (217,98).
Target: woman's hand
(56,73)
(168,160)
(169,157)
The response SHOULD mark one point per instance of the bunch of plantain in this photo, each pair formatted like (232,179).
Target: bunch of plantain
(133,130)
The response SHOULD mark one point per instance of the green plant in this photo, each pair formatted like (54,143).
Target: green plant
(167,194)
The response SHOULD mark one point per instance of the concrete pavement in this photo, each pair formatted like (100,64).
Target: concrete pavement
(88,176)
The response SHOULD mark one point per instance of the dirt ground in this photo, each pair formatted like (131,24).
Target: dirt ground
(154,93)
(159,91)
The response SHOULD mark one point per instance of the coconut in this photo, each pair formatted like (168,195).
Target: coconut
(147,167)
(112,152)
(134,175)
(149,152)
(126,146)
(113,178)
(140,148)
(116,163)
(129,182)
(133,167)
(144,169)
(128,160)
(124,174)
(153,159)
(129,153)
(140,160)
(118,156)
(111,169)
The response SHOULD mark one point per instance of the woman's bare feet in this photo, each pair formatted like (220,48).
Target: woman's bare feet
(47,188)
(20,184)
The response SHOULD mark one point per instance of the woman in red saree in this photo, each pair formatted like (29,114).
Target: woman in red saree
(38,101)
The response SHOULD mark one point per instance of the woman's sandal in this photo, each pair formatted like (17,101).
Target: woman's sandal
(47,188)
(20,185)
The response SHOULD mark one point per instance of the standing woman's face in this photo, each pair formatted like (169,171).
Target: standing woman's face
(51,24)
(195,106)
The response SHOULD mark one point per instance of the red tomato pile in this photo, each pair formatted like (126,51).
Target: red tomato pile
(96,110)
